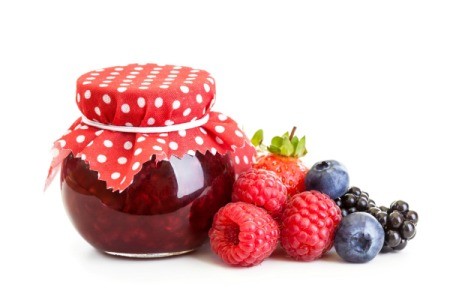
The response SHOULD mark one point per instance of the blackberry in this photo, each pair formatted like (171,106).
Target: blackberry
(399,224)
(355,200)
(398,221)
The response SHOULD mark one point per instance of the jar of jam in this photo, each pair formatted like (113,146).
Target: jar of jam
(148,164)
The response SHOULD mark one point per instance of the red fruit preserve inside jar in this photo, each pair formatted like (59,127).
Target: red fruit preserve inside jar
(148,164)
(167,210)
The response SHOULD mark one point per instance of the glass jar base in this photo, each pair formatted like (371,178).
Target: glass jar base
(148,255)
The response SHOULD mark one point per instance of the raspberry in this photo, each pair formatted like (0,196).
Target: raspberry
(243,234)
(262,188)
(308,224)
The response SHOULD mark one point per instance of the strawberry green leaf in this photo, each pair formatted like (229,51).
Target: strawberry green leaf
(300,149)
(257,138)
(274,149)
(286,148)
(277,141)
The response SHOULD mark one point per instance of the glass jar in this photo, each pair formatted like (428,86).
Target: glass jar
(167,210)
(148,163)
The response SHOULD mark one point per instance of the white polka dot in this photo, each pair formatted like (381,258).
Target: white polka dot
(157,68)
(245,159)
(84,127)
(174,72)
(134,73)
(238,133)
(122,160)
(80,138)
(87,82)
(131,76)
(145,83)
(135,166)
(164,134)
(164,86)
(188,81)
(157,148)
(123,179)
(101,158)
(83,156)
(213,151)
(159,102)
(206,87)
(199,98)
(121,89)
(150,121)
(98,111)
(173,145)
(191,152)
(199,140)
(139,68)
(62,143)
(219,140)
(55,152)
(169,122)
(125,108)
(222,117)
(115,175)
(237,160)
(143,87)
(118,69)
(210,80)
(128,124)
(138,151)
(176,104)
(110,77)
(78,97)
(192,75)
(154,72)
(160,140)
(141,102)
(106,99)
(87,94)
(186,112)
(151,76)
(128,145)
(184,89)
(103,85)
(202,130)
(195,71)
(182,133)
(172,76)
(108,143)
(140,139)
(219,129)
(99,132)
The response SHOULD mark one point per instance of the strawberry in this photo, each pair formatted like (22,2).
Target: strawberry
(283,158)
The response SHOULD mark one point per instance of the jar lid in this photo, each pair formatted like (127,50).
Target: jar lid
(133,113)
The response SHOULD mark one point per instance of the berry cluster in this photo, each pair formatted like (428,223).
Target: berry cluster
(399,224)
(279,199)
(398,221)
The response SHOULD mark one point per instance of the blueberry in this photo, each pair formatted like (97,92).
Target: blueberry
(359,238)
(329,177)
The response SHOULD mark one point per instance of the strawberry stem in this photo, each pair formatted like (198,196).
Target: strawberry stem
(291,136)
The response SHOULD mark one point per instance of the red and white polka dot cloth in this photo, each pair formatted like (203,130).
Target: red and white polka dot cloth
(174,101)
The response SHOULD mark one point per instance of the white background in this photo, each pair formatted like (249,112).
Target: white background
(366,81)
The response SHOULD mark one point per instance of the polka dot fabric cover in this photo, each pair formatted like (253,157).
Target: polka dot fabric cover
(147,96)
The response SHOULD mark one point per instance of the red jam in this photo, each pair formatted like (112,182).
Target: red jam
(167,210)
